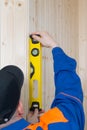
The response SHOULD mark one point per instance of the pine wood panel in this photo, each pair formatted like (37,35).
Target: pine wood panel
(83,50)
(14,38)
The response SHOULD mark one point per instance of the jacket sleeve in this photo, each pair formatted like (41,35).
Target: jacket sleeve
(65,77)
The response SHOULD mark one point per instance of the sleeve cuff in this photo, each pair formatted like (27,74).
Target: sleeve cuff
(57,50)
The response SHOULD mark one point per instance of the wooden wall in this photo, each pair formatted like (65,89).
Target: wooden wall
(83,50)
(65,20)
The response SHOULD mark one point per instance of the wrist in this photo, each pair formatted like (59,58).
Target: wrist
(54,45)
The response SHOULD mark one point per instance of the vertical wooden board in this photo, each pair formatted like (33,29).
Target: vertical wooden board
(14,38)
(6,33)
(60,19)
(83,50)
(21,44)
(0,34)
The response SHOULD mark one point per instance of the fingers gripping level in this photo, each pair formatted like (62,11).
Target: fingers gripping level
(35,79)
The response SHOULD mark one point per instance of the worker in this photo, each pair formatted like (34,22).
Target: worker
(66,112)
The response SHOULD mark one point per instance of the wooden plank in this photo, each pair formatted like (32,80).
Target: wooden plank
(0,35)
(6,33)
(83,50)
(21,43)
(14,38)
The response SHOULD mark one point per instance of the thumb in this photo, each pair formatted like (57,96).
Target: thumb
(36,112)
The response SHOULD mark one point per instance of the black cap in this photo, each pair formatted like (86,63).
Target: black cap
(11,81)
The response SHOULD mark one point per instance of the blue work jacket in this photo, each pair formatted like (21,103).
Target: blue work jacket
(66,111)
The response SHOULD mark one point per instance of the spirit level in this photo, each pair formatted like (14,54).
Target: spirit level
(35,79)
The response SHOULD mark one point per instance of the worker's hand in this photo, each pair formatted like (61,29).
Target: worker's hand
(33,117)
(45,39)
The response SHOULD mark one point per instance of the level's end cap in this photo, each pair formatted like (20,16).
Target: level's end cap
(35,105)
(33,40)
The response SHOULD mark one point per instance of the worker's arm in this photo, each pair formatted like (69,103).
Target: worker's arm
(66,79)
(68,89)
(67,110)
